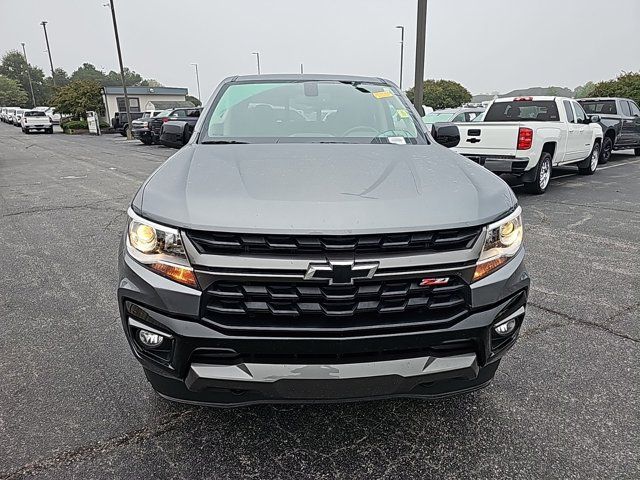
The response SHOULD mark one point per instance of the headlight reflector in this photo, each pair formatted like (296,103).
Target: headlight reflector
(160,249)
(503,241)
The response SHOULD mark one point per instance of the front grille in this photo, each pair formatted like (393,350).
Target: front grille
(417,242)
(304,307)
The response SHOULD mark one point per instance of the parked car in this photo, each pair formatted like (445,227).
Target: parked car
(36,121)
(176,133)
(620,122)
(454,115)
(140,128)
(3,113)
(186,114)
(528,136)
(54,116)
(7,116)
(120,124)
(300,257)
(17,116)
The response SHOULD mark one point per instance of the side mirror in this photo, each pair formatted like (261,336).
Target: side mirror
(594,118)
(446,134)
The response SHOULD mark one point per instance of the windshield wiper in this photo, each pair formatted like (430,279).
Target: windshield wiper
(221,142)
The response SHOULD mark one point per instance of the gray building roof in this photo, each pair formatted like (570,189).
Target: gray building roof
(164,105)
(146,91)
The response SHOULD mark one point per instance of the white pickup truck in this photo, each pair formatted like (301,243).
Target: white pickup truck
(528,136)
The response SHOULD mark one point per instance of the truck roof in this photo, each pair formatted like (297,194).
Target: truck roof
(311,77)
(533,98)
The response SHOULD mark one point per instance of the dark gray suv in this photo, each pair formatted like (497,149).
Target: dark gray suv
(312,242)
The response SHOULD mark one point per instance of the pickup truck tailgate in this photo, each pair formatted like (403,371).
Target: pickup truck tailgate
(488,139)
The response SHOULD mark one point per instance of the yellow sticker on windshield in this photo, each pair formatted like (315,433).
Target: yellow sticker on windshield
(382,94)
(402,113)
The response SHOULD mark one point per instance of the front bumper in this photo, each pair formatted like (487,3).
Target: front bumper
(201,364)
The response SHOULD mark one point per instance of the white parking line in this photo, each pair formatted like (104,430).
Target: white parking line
(619,164)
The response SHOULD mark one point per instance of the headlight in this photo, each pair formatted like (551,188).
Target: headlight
(503,240)
(159,248)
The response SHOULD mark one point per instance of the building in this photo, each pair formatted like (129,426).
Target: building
(142,98)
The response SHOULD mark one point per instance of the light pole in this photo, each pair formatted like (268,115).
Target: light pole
(401,27)
(124,83)
(33,97)
(257,54)
(421,37)
(46,39)
(197,80)
(302,68)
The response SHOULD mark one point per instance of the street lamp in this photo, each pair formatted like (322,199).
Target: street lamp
(197,80)
(401,27)
(421,37)
(33,97)
(124,83)
(46,38)
(257,54)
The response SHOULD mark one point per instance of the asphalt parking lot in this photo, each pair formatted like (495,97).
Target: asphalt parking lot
(74,402)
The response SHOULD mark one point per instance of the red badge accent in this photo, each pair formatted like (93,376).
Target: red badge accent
(434,282)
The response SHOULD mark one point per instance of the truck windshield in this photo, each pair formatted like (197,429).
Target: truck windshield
(523,111)
(600,107)
(310,112)
(435,117)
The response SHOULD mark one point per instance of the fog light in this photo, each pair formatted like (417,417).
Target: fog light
(505,328)
(150,339)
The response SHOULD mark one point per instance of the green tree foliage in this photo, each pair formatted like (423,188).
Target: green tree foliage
(62,78)
(626,85)
(194,100)
(584,91)
(443,94)
(14,66)
(12,93)
(78,97)
(131,78)
(151,82)
(87,71)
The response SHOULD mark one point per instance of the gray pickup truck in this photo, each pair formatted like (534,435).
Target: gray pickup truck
(620,122)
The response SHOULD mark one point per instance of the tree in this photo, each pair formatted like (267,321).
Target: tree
(62,78)
(150,82)
(12,93)
(14,66)
(194,100)
(79,97)
(131,78)
(584,91)
(443,94)
(88,72)
(626,85)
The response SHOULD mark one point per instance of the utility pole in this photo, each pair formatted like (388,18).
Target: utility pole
(46,39)
(257,54)
(401,27)
(33,97)
(421,38)
(124,83)
(197,80)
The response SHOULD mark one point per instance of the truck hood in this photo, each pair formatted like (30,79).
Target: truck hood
(321,189)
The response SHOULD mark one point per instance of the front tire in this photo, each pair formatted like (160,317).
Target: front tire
(591,160)
(607,148)
(543,176)
(636,151)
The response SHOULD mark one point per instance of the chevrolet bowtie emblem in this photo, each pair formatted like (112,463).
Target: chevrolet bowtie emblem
(341,272)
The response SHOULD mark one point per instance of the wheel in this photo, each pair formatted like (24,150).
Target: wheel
(591,161)
(543,176)
(124,130)
(636,152)
(50,130)
(605,153)
(146,140)
(25,131)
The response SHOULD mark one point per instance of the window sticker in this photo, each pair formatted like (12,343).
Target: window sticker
(402,113)
(397,140)
(380,95)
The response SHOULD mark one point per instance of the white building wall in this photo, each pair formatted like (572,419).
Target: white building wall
(111,102)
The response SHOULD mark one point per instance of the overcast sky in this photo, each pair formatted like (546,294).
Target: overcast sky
(487,45)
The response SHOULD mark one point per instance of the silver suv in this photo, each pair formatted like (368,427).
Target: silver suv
(312,242)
